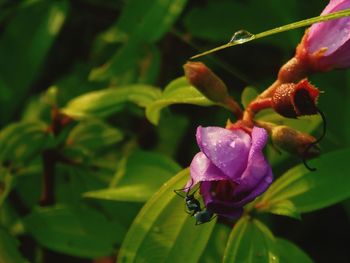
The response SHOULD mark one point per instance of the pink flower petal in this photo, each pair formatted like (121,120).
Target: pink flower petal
(202,169)
(228,150)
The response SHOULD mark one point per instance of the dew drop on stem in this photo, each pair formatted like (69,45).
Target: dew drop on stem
(241,36)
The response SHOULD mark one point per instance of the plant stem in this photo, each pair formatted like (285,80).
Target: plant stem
(49,164)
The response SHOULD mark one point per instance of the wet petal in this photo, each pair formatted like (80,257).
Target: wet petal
(228,150)
(202,169)
(331,34)
(260,188)
(257,166)
(338,59)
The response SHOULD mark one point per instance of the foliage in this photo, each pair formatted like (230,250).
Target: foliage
(98,123)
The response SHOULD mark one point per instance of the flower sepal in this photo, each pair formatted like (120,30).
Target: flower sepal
(294,100)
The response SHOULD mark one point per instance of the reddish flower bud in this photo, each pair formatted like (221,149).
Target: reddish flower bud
(294,142)
(293,100)
(211,86)
(206,81)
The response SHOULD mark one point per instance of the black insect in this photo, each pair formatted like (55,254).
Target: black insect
(203,216)
(193,206)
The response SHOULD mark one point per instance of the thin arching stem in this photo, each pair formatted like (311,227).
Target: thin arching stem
(324,130)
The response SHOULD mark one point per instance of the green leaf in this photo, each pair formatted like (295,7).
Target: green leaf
(171,130)
(144,174)
(128,193)
(93,135)
(106,102)
(74,231)
(290,253)
(9,252)
(248,94)
(150,22)
(309,191)
(24,45)
(216,244)
(6,183)
(163,232)
(284,208)
(250,241)
(176,92)
(22,141)
(39,107)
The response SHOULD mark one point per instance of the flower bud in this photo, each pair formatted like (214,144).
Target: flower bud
(206,81)
(211,86)
(293,100)
(294,142)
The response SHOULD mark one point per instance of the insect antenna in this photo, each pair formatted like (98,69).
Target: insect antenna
(177,191)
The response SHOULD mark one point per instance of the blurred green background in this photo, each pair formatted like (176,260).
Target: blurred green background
(54,51)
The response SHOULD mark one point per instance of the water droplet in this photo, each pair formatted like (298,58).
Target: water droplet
(241,36)
(273,258)
(233,144)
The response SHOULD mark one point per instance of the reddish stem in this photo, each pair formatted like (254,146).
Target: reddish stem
(49,165)
(50,157)
(256,106)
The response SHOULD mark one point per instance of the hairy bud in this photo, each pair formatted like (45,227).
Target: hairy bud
(294,142)
(211,86)
(293,100)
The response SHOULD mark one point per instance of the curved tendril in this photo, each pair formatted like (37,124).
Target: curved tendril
(307,149)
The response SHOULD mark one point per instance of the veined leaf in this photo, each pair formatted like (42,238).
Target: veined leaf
(179,91)
(94,134)
(284,208)
(144,174)
(163,232)
(24,45)
(251,241)
(153,20)
(79,232)
(6,182)
(22,141)
(290,253)
(309,191)
(9,252)
(216,244)
(248,94)
(105,102)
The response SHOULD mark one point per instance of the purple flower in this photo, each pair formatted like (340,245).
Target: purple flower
(231,168)
(326,45)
